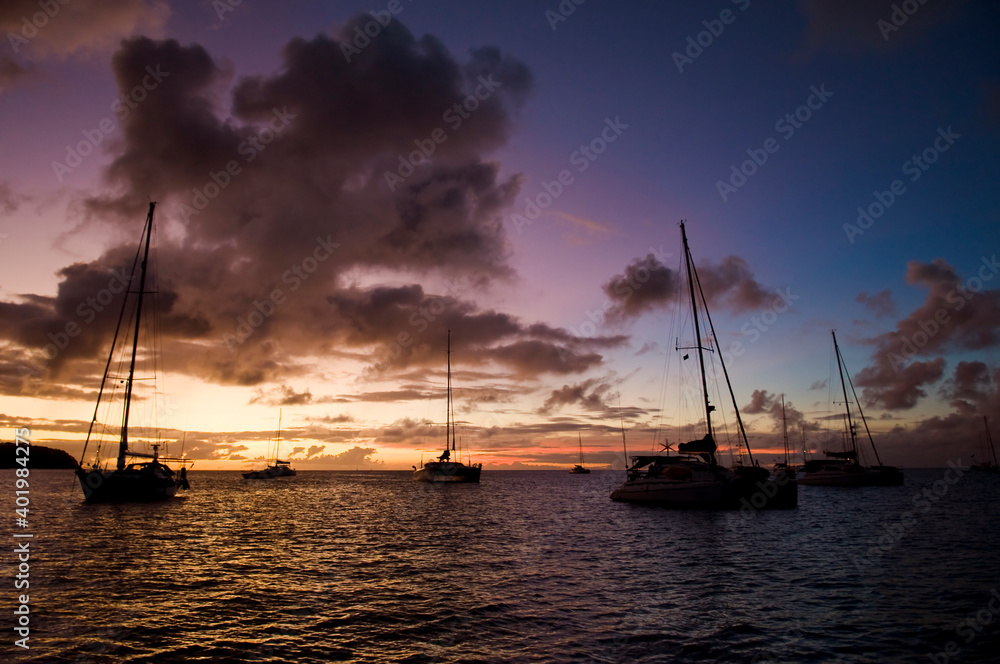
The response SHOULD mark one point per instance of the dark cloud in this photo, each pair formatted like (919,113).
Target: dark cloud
(974,390)
(760,402)
(410,327)
(902,389)
(646,284)
(77,323)
(880,304)
(80,26)
(763,402)
(957,315)
(591,394)
(732,285)
(278,238)
(969,388)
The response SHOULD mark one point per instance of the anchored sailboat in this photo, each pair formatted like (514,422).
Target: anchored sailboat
(843,468)
(784,467)
(988,466)
(694,478)
(578,469)
(277,469)
(444,469)
(131,480)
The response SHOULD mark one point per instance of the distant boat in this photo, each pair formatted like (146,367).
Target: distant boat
(988,466)
(131,480)
(277,469)
(444,469)
(694,478)
(843,468)
(578,469)
(784,468)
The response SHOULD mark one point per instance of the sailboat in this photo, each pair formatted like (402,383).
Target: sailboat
(843,468)
(578,469)
(131,480)
(987,466)
(694,477)
(277,469)
(444,469)
(784,467)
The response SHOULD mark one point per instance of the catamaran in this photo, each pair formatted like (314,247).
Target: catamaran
(131,480)
(578,469)
(444,469)
(277,469)
(842,468)
(694,477)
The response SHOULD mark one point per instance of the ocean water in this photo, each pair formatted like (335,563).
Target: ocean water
(524,567)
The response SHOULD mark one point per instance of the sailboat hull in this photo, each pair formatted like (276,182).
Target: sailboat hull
(269,473)
(126,486)
(446,471)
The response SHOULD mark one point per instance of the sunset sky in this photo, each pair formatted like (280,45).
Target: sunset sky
(514,172)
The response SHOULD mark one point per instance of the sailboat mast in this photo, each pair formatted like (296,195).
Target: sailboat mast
(989,439)
(847,405)
(277,439)
(784,427)
(697,331)
(449,431)
(579,437)
(725,372)
(864,420)
(621,417)
(123,445)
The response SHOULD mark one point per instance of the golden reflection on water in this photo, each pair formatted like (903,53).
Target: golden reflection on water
(543,566)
